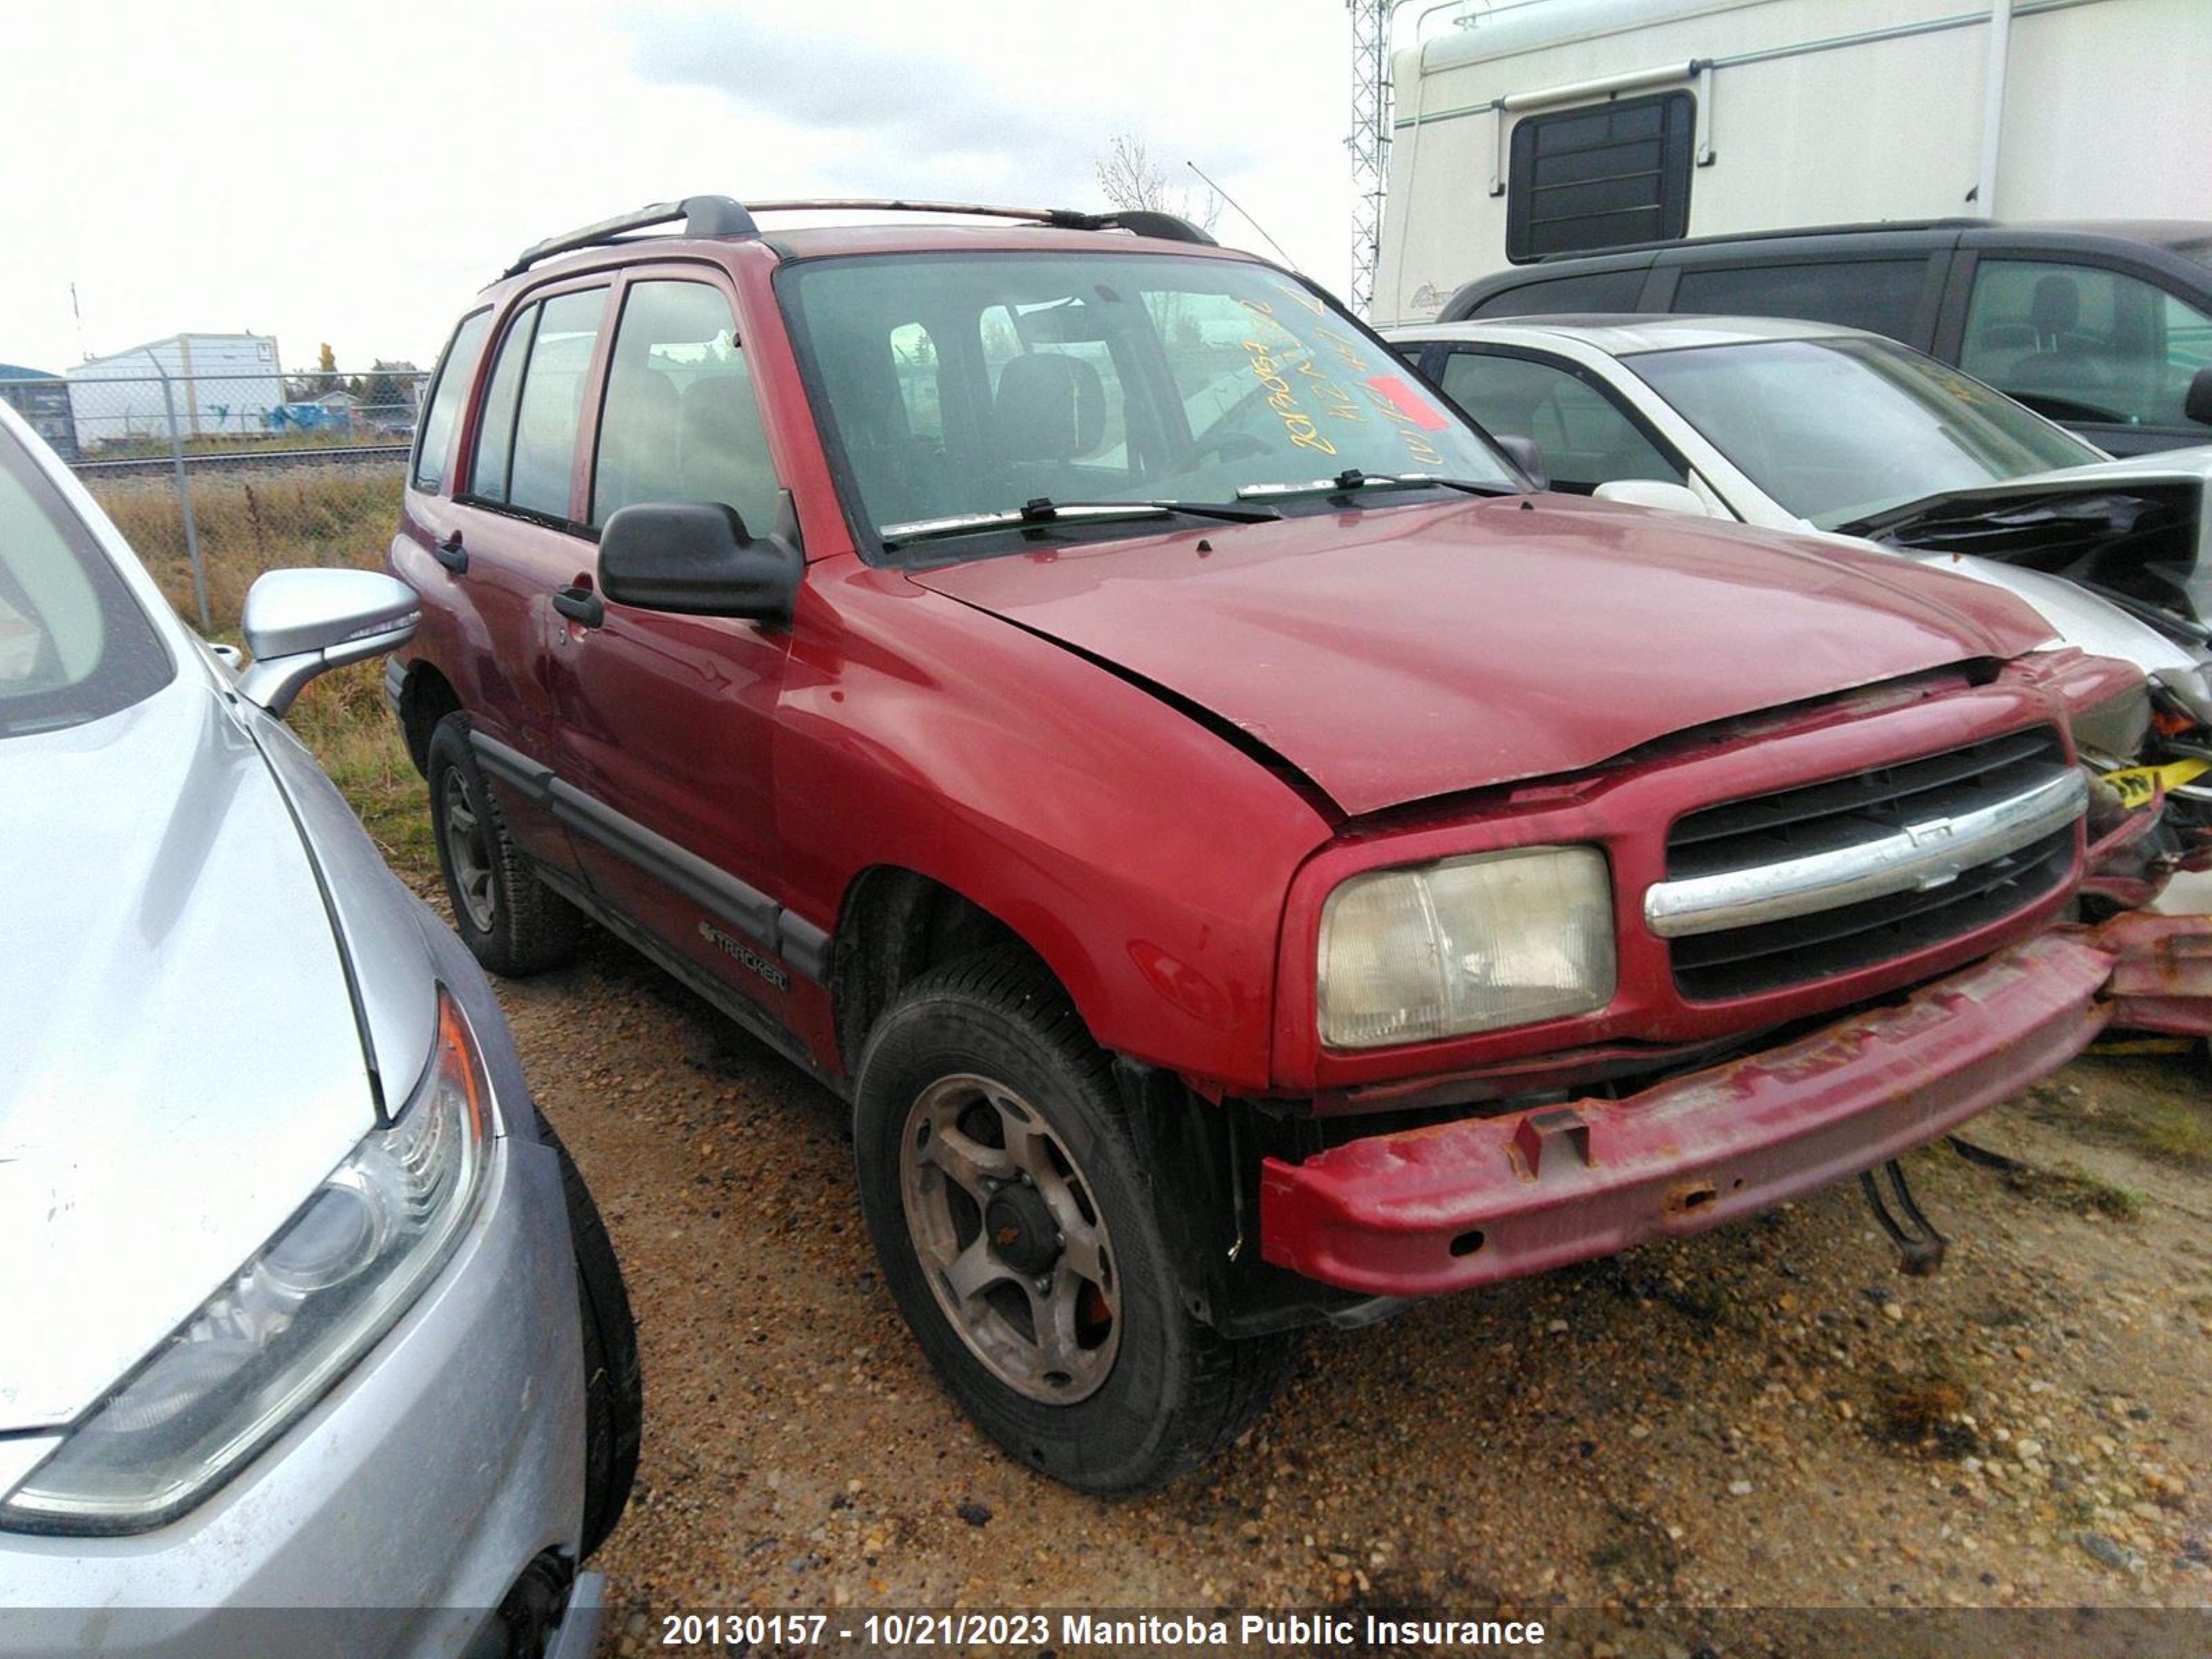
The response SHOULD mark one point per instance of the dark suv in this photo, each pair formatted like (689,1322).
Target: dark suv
(2102,327)
(1246,858)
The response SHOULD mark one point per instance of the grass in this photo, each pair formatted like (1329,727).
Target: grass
(2078,1191)
(329,517)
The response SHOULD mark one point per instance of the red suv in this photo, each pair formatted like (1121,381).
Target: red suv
(1246,859)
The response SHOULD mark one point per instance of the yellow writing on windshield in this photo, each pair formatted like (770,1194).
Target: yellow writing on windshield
(1297,424)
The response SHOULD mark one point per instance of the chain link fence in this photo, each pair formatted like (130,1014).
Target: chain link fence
(214,478)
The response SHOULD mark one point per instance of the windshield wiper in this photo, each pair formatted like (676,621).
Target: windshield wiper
(1352,479)
(1045,510)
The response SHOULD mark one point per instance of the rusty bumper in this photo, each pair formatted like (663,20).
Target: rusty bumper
(1495,1198)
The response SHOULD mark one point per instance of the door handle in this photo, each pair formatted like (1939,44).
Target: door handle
(451,554)
(580,605)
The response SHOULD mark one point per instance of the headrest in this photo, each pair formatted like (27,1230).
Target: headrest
(2056,305)
(1050,407)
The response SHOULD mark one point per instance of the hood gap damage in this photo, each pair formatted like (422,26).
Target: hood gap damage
(1245,742)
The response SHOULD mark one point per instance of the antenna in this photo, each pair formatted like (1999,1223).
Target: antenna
(1247,217)
(1370,142)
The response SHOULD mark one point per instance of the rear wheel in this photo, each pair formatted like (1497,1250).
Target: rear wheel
(1006,1201)
(614,1384)
(511,921)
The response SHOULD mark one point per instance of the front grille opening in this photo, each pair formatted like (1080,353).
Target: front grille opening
(1842,811)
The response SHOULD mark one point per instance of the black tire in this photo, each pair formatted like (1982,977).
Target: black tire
(614,1384)
(1174,1392)
(511,921)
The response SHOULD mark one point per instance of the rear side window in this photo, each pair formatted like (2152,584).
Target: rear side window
(1596,290)
(1600,177)
(496,431)
(526,442)
(680,423)
(74,645)
(1880,296)
(2078,343)
(551,407)
(434,443)
(1583,437)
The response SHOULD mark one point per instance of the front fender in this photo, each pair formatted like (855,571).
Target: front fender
(1141,855)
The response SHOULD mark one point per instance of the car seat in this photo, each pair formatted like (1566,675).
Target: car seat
(1049,407)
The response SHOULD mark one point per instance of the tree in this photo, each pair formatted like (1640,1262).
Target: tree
(327,360)
(1129,178)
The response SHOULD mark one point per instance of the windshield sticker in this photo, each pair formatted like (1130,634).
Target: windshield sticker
(1389,388)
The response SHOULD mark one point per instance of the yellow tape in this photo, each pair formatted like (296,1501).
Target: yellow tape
(2137,784)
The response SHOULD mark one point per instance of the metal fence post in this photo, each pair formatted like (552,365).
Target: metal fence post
(184,493)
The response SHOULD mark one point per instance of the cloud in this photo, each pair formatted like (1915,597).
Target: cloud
(881,113)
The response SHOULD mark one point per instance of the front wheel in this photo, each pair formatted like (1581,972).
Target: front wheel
(1006,1199)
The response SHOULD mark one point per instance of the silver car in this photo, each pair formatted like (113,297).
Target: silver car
(313,1340)
(1821,431)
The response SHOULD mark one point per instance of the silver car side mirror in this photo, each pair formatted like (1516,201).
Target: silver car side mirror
(1657,493)
(299,623)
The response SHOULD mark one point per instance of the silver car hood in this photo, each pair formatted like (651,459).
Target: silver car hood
(180,1060)
(2138,529)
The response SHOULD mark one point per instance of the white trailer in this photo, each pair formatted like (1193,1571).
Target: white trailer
(219,384)
(1524,128)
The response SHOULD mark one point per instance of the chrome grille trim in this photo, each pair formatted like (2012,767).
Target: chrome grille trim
(1921,856)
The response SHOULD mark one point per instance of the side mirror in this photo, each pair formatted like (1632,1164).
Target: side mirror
(695,559)
(1524,454)
(299,624)
(2197,404)
(1656,493)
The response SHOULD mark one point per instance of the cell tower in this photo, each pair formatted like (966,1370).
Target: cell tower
(1370,142)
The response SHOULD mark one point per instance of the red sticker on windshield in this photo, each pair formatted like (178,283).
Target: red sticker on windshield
(1409,402)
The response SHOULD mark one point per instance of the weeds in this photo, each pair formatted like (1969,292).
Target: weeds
(2084,1195)
(1922,1408)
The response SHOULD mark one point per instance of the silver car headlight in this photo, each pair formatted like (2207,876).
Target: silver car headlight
(1467,945)
(2190,687)
(288,1325)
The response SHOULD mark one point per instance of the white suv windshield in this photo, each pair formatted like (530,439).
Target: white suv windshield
(960,390)
(1835,429)
(74,645)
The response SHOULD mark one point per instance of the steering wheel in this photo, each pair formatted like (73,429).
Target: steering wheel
(1224,446)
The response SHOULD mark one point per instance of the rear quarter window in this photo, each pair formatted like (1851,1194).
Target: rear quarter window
(434,443)
(1882,296)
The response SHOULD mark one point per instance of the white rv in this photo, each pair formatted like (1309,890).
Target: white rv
(1527,128)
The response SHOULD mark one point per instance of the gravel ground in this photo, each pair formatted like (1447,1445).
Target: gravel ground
(1767,1416)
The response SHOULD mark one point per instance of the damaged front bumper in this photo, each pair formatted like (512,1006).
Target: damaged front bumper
(1488,1199)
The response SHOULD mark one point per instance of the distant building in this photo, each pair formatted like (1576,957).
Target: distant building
(42,399)
(216,384)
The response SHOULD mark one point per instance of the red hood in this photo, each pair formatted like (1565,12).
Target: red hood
(1399,653)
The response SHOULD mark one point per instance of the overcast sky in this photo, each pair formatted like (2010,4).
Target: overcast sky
(353,172)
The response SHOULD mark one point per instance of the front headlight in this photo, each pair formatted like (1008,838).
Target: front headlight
(1469,944)
(288,1325)
(2190,688)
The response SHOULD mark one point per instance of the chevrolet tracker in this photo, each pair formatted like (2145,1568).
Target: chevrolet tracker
(1246,858)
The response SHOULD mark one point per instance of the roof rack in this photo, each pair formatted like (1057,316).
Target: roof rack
(722,216)
(1719,237)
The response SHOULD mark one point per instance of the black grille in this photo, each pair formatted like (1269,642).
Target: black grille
(1842,812)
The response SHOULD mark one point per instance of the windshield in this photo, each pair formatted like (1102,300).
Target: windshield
(959,390)
(73,644)
(1836,430)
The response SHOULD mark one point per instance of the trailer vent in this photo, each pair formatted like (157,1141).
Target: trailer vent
(1599,176)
